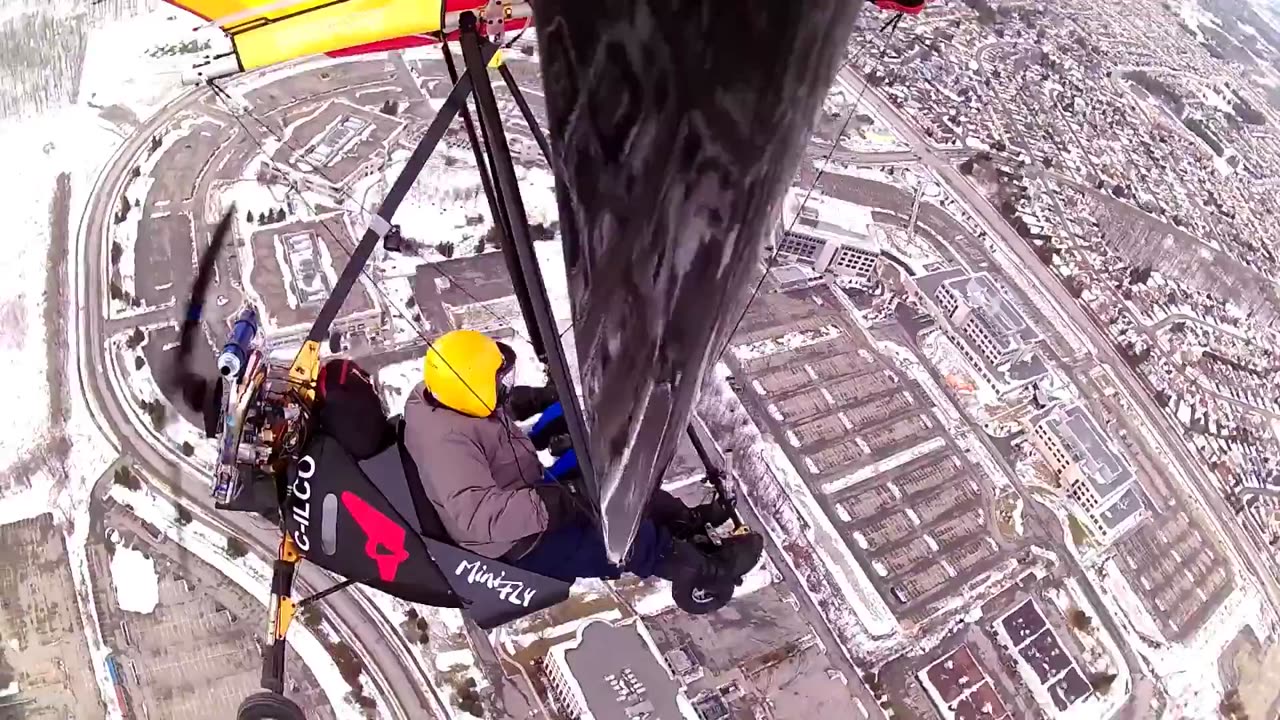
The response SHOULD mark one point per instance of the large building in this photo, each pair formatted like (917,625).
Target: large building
(840,251)
(1096,476)
(613,671)
(985,325)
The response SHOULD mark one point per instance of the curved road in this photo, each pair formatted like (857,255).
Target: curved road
(389,660)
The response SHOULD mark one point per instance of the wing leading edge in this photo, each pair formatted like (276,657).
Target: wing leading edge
(269,32)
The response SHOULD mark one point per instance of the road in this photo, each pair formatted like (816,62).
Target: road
(1247,549)
(385,652)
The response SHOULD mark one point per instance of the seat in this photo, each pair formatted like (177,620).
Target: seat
(370,520)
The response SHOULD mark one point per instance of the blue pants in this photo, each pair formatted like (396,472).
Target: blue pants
(577,551)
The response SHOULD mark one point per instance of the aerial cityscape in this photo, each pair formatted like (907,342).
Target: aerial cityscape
(1005,402)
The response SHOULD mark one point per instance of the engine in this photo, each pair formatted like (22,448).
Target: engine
(264,412)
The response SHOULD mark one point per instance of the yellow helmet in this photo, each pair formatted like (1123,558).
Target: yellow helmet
(464,370)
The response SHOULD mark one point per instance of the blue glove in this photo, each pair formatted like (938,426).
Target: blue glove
(549,425)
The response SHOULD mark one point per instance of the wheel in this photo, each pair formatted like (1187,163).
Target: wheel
(267,705)
(700,601)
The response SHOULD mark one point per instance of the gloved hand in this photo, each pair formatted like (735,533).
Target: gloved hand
(551,425)
(525,401)
(560,505)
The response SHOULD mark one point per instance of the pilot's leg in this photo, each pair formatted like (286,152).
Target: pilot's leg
(577,551)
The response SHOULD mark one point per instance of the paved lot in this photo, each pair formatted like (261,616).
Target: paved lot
(44,642)
(1173,564)
(754,654)
(294,306)
(899,492)
(184,161)
(164,250)
(197,655)
(1175,569)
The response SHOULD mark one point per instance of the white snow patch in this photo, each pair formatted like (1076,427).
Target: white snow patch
(249,572)
(133,575)
(790,341)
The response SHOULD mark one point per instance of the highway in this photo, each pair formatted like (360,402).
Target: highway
(387,657)
(1247,549)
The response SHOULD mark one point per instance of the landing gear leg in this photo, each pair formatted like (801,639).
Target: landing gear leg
(271,702)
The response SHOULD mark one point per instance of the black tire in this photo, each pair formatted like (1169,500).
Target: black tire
(267,705)
(700,601)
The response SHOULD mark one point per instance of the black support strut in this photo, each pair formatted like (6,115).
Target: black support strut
(520,243)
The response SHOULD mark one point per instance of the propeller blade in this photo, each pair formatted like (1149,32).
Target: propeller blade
(200,393)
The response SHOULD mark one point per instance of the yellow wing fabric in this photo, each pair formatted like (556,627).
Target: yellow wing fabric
(267,32)
(316,26)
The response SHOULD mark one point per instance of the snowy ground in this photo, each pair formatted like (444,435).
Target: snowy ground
(133,575)
(249,572)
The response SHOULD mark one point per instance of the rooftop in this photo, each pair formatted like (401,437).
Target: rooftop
(1001,318)
(617,673)
(825,231)
(1126,505)
(1085,442)
(992,308)
(464,281)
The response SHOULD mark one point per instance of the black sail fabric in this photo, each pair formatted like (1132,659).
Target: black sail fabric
(675,128)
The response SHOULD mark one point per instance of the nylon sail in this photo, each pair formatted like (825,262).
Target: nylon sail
(268,32)
(675,128)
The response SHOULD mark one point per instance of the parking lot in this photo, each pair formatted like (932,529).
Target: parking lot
(1176,570)
(197,654)
(895,486)
(282,301)
(44,641)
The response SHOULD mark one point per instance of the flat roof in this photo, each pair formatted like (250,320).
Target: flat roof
(1126,505)
(458,282)
(1002,319)
(835,233)
(1101,466)
(793,273)
(619,675)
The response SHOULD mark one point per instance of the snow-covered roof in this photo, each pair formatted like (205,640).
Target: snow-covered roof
(1128,504)
(1100,464)
(614,671)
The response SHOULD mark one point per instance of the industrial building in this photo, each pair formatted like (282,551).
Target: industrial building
(1096,477)
(833,250)
(614,671)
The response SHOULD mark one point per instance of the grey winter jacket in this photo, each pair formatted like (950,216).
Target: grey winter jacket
(480,473)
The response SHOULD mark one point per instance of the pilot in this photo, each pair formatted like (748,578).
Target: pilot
(483,475)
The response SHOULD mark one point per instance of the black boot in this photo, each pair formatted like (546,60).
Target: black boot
(706,565)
